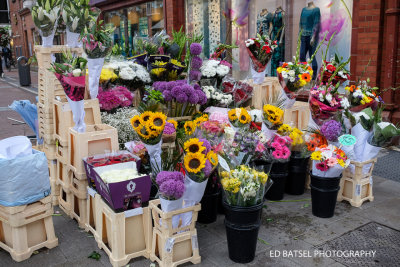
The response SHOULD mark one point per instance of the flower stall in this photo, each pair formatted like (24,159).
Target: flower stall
(158,139)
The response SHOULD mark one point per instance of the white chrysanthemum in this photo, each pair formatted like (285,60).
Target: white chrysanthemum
(127,74)
(292,73)
(222,70)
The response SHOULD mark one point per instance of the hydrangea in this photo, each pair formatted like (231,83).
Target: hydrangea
(169,128)
(331,130)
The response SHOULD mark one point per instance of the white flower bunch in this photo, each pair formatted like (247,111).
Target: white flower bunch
(211,68)
(291,75)
(345,103)
(130,71)
(249,42)
(116,176)
(121,121)
(250,190)
(212,93)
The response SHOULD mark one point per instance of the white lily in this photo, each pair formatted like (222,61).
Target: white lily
(40,13)
(65,16)
(74,23)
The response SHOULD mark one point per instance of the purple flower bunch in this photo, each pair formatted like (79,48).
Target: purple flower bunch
(206,144)
(196,62)
(169,128)
(181,91)
(116,97)
(331,130)
(171,185)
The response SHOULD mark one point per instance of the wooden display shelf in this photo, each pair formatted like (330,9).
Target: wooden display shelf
(63,118)
(63,177)
(123,236)
(263,93)
(356,188)
(185,246)
(65,201)
(298,115)
(61,151)
(25,229)
(96,140)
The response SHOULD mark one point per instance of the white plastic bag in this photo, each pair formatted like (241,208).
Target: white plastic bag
(24,180)
(258,77)
(16,146)
(172,205)
(193,194)
(94,66)
(155,155)
(73,39)
(78,114)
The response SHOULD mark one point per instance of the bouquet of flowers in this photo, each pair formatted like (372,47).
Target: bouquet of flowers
(216,98)
(211,130)
(76,15)
(331,129)
(114,98)
(181,97)
(4,37)
(315,140)
(272,119)
(212,72)
(242,92)
(70,74)
(325,102)
(45,14)
(279,148)
(294,76)
(329,68)
(199,162)
(190,127)
(134,76)
(150,126)
(329,161)
(260,50)
(362,96)
(239,117)
(171,188)
(243,186)
(169,134)
(97,44)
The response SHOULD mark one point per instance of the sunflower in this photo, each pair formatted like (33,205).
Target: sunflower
(194,162)
(135,122)
(193,145)
(306,77)
(146,116)
(174,122)
(157,121)
(244,117)
(189,127)
(143,132)
(212,157)
(232,115)
(284,129)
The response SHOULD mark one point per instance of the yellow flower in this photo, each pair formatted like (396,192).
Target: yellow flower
(135,122)
(157,121)
(146,116)
(224,174)
(263,177)
(193,145)
(176,62)
(212,157)
(194,162)
(244,116)
(172,75)
(284,129)
(231,184)
(174,122)
(189,127)
(279,69)
(144,132)
(158,71)
(160,63)
(232,115)
(316,155)
(107,75)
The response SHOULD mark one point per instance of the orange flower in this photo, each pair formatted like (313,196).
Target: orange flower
(374,94)
(284,65)
(311,145)
(352,88)
(309,68)
(306,77)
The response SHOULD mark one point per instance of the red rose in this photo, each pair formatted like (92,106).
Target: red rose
(267,49)
(331,68)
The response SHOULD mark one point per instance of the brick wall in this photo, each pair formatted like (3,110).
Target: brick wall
(174,15)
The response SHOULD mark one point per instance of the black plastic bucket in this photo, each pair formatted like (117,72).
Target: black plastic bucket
(297,174)
(242,225)
(209,208)
(277,189)
(221,209)
(325,183)
(323,201)
(242,242)
(261,165)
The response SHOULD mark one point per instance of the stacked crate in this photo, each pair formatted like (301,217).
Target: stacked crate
(269,89)
(27,228)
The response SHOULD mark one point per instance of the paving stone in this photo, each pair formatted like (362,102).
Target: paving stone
(386,212)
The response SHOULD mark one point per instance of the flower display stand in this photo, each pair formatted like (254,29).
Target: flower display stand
(172,247)
(61,151)
(123,236)
(264,92)
(63,120)
(298,115)
(27,228)
(356,188)
(96,140)
(91,206)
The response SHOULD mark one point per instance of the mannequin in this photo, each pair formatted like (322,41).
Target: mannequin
(278,34)
(309,27)
(264,22)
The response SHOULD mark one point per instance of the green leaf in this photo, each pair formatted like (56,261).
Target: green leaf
(94,255)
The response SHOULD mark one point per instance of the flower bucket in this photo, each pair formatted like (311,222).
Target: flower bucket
(297,174)
(242,225)
(209,208)
(324,195)
(279,173)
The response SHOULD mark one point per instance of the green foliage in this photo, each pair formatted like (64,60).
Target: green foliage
(94,255)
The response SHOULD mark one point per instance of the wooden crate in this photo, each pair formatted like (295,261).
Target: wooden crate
(55,192)
(298,115)
(61,151)
(92,204)
(263,93)
(184,247)
(63,118)
(65,201)
(25,229)
(356,188)
(79,187)
(125,235)
(63,177)
(96,140)
(78,211)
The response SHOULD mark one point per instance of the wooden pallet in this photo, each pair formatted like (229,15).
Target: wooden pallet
(298,115)
(63,118)
(123,236)
(263,93)
(25,229)
(356,188)
(96,140)
(184,247)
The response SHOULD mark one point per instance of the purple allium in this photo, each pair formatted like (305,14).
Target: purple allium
(187,89)
(331,130)
(170,85)
(195,49)
(181,82)
(196,62)
(202,97)
(172,189)
(165,175)
(194,75)
(167,95)
(181,97)
(194,98)
(197,87)
(206,144)
(169,128)
(207,168)
(176,91)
